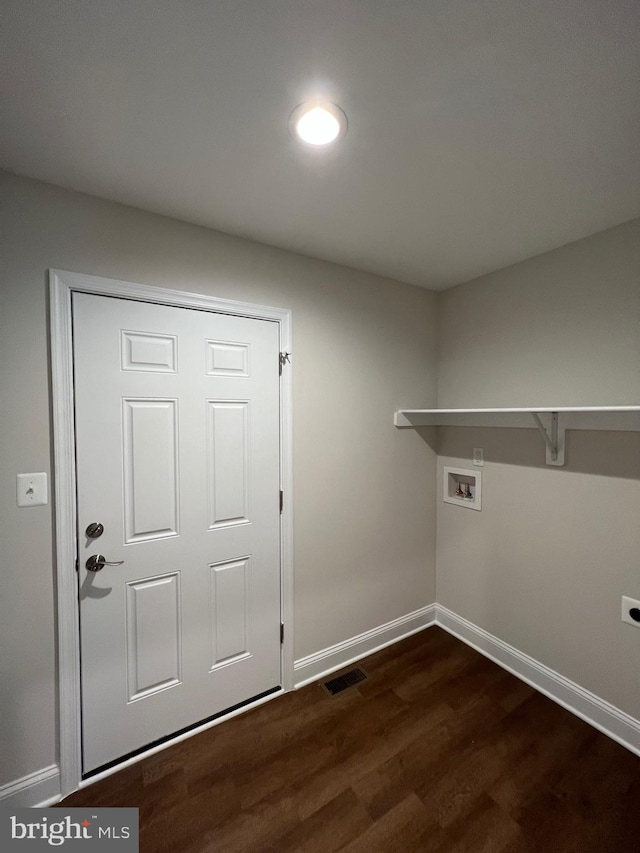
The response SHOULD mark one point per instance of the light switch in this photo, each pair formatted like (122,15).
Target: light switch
(31,489)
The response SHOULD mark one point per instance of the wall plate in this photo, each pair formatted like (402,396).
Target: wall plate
(629,606)
(31,489)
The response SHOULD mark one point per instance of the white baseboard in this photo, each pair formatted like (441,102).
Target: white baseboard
(36,789)
(326,661)
(43,788)
(592,709)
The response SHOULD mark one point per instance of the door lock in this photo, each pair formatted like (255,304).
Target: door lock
(97,561)
(94,530)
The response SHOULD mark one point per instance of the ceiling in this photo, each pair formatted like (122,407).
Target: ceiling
(481,132)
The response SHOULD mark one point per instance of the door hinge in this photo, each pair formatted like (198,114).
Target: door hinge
(281,633)
(285,358)
(281,500)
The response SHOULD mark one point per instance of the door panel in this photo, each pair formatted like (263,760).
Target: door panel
(154,634)
(177,441)
(146,352)
(229,610)
(228,459)
(150,470)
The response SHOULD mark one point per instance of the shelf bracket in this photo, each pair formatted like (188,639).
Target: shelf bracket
(554,439)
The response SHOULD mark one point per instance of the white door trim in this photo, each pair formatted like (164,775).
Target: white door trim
(62,285)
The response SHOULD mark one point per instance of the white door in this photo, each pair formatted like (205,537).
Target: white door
(177,443)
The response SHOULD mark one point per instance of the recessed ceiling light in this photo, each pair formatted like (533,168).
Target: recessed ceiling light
(318,123)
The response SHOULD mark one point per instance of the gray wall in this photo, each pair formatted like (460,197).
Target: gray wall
(562,329)
(544,564)
(363,346)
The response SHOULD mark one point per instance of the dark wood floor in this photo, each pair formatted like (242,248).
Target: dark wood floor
(440,750)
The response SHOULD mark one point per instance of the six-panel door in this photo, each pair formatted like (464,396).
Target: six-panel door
(177,436)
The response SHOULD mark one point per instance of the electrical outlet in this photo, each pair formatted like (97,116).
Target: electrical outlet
(631,611)
(478,456)
(31,489)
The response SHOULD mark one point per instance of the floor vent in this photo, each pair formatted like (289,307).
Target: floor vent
(342,682)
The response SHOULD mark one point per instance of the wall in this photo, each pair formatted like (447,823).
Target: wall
(363,346)
(544,564)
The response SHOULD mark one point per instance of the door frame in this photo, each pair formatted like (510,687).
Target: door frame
(61,286)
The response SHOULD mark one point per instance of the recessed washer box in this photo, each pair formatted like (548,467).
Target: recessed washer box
(463,487)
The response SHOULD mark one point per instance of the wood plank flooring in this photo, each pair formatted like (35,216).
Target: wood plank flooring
(439,751)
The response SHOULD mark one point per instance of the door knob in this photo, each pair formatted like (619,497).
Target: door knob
(97,561)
